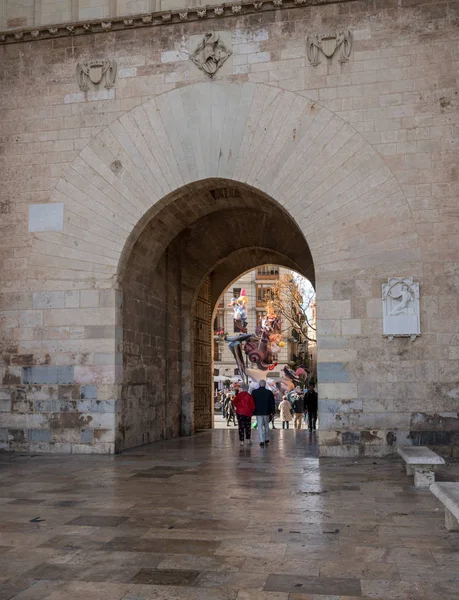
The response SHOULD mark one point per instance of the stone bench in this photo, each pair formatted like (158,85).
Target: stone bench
(421,462)
(448,494)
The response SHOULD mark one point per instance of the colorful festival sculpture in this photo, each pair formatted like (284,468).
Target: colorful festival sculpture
(239,306)
(261,347)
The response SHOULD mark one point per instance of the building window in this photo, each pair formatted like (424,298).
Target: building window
(217,352)
(236,292)
(219,321)
(268,272)
(263,293)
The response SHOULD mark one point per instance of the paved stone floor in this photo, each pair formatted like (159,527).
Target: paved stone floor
(199,519)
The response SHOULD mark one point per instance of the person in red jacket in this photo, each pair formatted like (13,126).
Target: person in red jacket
(245,407)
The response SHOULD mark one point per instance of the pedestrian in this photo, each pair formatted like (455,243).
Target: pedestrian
(298,409)
(222,402)
(264,407)
(245,407)
(230,412)
(285,409)
(311,401)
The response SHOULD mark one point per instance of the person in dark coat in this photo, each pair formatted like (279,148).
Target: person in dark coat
(311,404)
(264,407)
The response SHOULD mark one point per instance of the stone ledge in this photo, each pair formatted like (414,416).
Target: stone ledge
(448,494)
(419,455)
(178,15)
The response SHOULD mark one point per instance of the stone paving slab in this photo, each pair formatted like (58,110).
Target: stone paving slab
(251,524)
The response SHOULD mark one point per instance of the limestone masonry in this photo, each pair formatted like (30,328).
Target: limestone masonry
(322,135)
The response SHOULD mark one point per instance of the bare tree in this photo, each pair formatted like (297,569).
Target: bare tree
(292,298)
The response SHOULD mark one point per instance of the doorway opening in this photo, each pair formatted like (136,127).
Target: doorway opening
(181,257)
(276,307)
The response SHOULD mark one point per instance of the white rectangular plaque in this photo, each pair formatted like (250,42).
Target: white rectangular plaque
(46,217)
(401,315)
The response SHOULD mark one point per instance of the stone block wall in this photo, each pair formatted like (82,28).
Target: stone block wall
(361,154)
(48,404)
(16,14)
(202,349)
(150,406)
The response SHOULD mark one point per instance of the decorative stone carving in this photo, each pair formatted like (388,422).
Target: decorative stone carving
(96,71)
(210,54)
(141,20)
(329,44)
(401,315)
(183,16)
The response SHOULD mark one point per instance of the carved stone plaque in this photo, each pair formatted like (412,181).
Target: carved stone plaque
(210,54)
(96,71)
(328,44)
(401,315)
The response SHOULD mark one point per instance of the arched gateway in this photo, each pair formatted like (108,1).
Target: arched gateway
(168,204)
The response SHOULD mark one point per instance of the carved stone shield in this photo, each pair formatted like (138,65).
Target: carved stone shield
(328,45)
(95,73)
(210,54)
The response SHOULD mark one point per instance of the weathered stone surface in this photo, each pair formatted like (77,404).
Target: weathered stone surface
(448,494)
(357,158)
(419,455)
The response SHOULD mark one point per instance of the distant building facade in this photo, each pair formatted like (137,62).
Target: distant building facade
(257,284)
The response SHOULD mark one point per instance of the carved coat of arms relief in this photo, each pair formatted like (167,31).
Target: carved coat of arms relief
(96,71)
(328,44)
(210,54)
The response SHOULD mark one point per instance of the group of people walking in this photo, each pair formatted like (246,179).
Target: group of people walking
(261,403)
(299,408)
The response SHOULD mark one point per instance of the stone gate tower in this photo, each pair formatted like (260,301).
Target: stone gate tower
(153,150)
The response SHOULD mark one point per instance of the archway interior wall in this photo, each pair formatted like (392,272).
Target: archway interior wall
(151,389)
(202,358)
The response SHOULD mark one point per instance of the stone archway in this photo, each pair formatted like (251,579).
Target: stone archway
(167,286)
(324,176)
